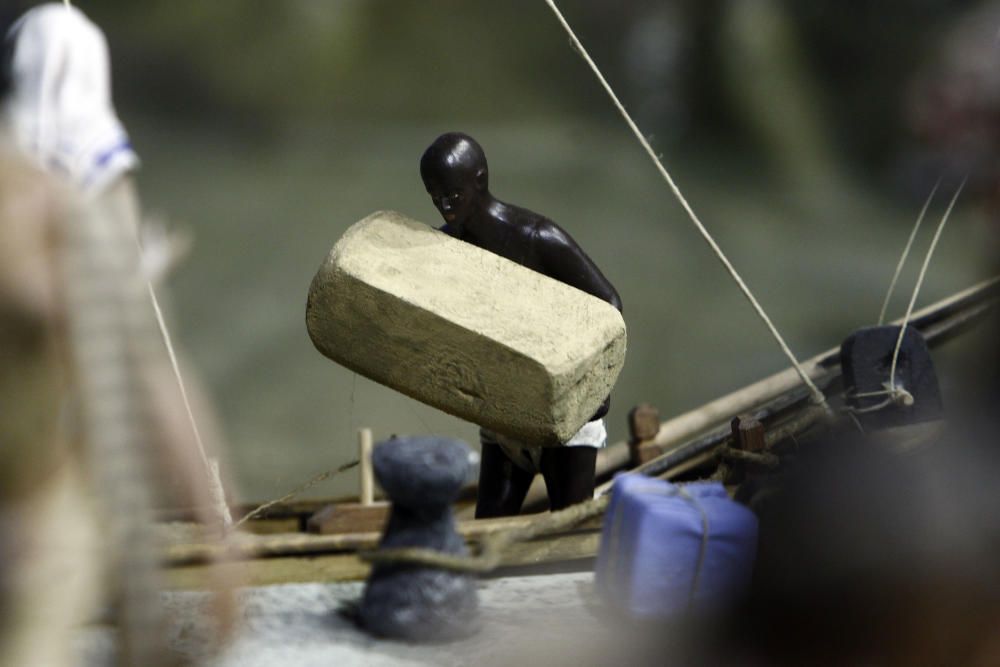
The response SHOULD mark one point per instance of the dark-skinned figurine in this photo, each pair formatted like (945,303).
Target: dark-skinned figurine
(456,176)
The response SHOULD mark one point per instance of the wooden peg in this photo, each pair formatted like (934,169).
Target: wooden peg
(643,425)
(365,444)
(748,434)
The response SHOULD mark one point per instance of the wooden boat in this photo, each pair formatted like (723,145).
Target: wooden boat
(277,549)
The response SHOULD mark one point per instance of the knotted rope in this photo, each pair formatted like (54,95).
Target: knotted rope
(313,481)
(817,395)
(895,394)
(491,547)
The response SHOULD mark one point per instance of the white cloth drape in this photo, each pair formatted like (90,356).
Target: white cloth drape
(59,107)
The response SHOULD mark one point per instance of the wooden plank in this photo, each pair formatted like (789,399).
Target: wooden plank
(348,518)
(247,546)
(290,524)
(330,568)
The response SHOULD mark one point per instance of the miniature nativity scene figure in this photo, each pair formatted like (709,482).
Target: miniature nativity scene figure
(498,318)
(456,175)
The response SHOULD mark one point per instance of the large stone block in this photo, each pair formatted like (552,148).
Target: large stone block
(465,330)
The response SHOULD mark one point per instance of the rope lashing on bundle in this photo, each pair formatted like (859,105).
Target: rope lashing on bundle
(817,395)
(491,547)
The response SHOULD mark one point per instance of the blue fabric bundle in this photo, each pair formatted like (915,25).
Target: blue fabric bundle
(668,548)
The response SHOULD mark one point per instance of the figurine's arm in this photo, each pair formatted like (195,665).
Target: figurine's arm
(565,261)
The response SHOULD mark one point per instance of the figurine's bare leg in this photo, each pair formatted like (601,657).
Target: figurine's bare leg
(569,474)
(502,484)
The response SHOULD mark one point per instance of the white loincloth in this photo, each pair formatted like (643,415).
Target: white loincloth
(591,434)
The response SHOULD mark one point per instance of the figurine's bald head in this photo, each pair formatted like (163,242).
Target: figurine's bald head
(456,176)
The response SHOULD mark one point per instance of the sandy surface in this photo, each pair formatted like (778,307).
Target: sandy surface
(525,620)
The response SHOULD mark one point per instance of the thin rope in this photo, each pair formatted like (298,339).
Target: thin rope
(492,546)
(817,395)
(906,252)
(215,487)
(211,465)
(920,282)
(873,408)
(296,491)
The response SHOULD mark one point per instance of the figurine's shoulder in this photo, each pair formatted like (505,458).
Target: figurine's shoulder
(534,224)
(549,233)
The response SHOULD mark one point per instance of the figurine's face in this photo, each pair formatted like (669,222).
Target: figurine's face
(455,194)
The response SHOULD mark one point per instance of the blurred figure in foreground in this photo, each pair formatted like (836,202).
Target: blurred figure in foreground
(874,556)
(98,417)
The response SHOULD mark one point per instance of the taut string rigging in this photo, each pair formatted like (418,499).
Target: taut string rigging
(817,395)
(920,282)
(893,392)
(906,252)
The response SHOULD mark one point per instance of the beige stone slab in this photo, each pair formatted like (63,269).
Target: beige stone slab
(465,330)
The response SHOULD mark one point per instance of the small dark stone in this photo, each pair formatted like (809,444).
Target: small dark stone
(420,472)
(422,476)
(866,359)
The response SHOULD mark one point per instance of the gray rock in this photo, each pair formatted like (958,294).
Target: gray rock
(422,477)
(422,471)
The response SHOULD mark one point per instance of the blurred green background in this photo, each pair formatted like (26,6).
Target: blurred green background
(794,128)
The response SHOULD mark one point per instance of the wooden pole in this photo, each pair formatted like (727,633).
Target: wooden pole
(365,444)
